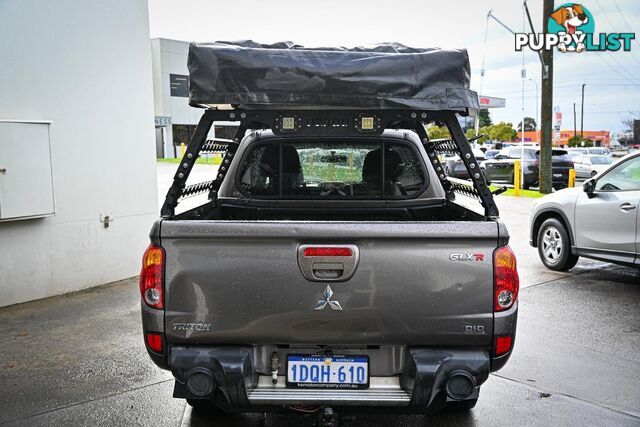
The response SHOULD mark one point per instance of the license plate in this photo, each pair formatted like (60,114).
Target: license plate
(345,372)
(557,175)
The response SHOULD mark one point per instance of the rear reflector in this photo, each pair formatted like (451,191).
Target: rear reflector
(327,251)
(505,277)
(503,345)
(154,342)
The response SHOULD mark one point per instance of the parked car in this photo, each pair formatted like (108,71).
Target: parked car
(578,151)
(500,169)
(456,168)
(491,154)
(588,166)
(600,151)
(574,153)
(600,220)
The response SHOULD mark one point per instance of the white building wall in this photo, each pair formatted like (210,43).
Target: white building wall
(85,65)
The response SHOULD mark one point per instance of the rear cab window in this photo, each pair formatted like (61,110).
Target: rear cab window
(331,169)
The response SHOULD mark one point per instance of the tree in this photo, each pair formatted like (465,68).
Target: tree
(529,124)
(502,131)
(438,132)
(627,122)
(472,133)
(576,141)
(484,118)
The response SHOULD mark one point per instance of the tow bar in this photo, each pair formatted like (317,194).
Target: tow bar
(328,418)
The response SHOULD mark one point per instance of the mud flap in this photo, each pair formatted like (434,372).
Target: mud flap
(427,370)
(231,368)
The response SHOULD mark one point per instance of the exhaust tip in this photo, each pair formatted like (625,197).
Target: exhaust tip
(460,385)
(200,382)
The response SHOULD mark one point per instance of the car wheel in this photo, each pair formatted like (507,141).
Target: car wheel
(463,405)
(593,173)
(554,246)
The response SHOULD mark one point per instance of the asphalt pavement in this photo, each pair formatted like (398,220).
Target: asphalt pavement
(79,359)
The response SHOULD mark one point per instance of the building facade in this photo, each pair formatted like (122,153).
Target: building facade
(175,121)
(78,190)
(600,138)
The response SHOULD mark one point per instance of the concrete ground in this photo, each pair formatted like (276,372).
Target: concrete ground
(79,359)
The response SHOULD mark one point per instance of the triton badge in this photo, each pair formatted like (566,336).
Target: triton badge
(327,294)
(199,327)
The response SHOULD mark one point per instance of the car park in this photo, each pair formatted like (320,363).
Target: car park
(455,167)
(589,165)
(500,169)
(491,154)
(599,220)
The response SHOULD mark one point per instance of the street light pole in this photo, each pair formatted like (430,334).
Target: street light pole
(574,122)
(537,120)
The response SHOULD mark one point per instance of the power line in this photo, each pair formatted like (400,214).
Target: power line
(614,69)
(564,86)
(622,16)
(613,27)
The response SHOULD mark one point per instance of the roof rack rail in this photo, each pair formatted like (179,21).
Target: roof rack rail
(336,122)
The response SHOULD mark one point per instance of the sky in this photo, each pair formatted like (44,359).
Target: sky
(612,79)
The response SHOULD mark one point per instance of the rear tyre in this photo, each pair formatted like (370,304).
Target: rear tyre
(593,173)
(554,246)
(463,405)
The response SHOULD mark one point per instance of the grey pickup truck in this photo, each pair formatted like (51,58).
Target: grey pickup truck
(332,264)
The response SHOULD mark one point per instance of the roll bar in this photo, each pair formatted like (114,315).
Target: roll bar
(330,123)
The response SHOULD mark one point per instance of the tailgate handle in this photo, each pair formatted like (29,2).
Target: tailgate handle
(327,270)
(325,263)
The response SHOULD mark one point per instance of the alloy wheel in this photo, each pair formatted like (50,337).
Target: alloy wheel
(552,244)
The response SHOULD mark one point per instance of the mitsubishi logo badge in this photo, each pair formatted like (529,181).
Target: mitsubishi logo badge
(327,294)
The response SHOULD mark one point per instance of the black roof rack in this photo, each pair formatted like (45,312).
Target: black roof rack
(337,122)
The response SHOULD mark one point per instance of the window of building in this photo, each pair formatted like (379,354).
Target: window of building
(179,85)
(182,134)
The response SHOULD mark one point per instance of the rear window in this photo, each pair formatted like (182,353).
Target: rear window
(557,154)
(332,169)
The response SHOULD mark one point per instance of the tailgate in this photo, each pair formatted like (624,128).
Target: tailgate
(423,283)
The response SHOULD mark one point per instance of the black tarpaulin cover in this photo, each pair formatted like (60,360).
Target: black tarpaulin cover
(285,75)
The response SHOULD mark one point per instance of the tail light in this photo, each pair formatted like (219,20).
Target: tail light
(151,276)
(505,278)
(327,251)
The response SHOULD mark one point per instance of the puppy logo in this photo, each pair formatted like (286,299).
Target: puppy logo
(570,17)
(571,28)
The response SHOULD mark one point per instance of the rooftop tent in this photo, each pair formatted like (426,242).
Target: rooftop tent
(284,75)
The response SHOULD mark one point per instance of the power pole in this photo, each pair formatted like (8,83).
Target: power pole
(574,121)
(582,114)
(546,106)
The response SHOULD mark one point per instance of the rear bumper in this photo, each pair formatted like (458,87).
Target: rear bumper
(423,386)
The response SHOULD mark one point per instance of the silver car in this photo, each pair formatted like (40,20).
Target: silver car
(599,220)
(589,165)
